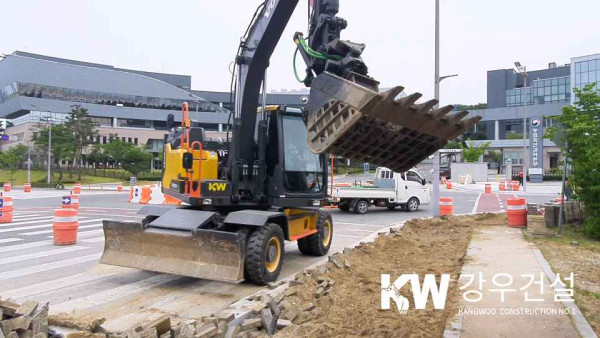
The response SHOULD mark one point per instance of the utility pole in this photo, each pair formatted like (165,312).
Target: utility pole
(523,71)
(436,89)
(49,148)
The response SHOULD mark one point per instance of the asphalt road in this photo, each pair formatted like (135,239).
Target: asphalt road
(71,278)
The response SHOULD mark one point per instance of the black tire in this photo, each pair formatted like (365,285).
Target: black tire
(319,243)
(362,207)
(344,206)
(412,205)
(257,251)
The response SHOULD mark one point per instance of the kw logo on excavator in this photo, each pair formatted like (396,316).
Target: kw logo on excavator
(217,186)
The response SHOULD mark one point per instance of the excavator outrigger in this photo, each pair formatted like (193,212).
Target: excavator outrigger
(270,182)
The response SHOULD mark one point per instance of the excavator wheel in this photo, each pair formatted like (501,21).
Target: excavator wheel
(318,244)
(264,255)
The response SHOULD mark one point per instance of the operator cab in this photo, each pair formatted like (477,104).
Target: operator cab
(292,170)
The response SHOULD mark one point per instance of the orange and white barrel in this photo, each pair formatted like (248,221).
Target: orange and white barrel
(502,186)
(64,229)
(517,212)
(6,209)
(515,186)
(446,206)
(448,184)
(27,187)
(6,186)
(77,188)
(120,187)
(488,188)
(70,201)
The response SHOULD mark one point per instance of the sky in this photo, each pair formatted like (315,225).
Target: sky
(200,38)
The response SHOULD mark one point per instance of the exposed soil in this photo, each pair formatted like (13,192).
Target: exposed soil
(584,261)
(352,308)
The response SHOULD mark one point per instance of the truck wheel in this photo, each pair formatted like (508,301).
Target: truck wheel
(412,204)
(264,254)
(319,243)
(361,207)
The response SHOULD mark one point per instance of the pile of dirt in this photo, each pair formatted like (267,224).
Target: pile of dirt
(350,305)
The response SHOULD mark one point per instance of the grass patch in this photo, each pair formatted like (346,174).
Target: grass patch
(38,178)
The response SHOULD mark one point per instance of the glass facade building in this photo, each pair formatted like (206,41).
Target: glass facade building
(543,91)
(587,72)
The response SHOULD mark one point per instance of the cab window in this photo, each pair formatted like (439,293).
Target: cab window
(414,177)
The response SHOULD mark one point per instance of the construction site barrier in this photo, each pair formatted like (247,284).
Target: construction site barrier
(145,195)
(6,209)
(64,229)
(70,201)
(488,188)
(120,188)
(502,186)
(517,212)
(446,206)
(156,195)
(6,186)
(135,194)
(77,188)
(513,185)
(449,184)
(171,200)
(27,187)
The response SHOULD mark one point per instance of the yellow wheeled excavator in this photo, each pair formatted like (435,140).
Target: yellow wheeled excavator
(244,197)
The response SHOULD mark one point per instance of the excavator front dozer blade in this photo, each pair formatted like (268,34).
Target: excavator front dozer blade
(200,253)
(359,123)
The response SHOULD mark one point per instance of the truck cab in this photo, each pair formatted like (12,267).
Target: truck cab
(407,190)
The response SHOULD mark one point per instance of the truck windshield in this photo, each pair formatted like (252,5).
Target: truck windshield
(303,169)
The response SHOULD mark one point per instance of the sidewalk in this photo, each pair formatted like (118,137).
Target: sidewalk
(501,250)
(545,188)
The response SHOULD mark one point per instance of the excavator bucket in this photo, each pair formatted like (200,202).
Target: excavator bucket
(175,243)
(354,121)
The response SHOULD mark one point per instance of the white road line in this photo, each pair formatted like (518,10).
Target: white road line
(352,236)
(94,240)
(10,240)
(24,246)
(51,285)
(29,218)
(50,231)
(361,230)
(113,294)
(476,206)
(44,219)
(48,266)
(40,226)
(41,254)
(359,224)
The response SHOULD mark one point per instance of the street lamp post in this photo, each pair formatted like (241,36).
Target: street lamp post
(523,71)
(437,79)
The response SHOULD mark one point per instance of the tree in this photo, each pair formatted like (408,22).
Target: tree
(96,154)
(12,158)
(62,144)
(472,153)
(136,160)
(84,131)
(580,137)
(117,149)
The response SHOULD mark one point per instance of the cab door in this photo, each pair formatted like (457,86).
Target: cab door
(416,187)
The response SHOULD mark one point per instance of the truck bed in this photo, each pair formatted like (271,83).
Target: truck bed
(364,192)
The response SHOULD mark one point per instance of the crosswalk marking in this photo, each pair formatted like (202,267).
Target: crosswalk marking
(48,266)
(34,255)
(48,218)
(113,294)
(28,217)
(40,226)
(86,234)
(24,246)
(10,240)
(50,231)
(94,240)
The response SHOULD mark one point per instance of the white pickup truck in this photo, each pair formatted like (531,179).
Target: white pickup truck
(407,190)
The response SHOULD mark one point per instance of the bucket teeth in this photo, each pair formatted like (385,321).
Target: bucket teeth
(361,124)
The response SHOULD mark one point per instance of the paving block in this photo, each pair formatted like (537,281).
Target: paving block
(251,323)
(83,334)
(268,322)
(291,314)
(319,292)
(39,320)
(274,307)
(27,308)
(162,325)
(9,307)
(206,330)
(187,331)
(347,251)
(211,319)
(232,331)
(18,323)
(308,307)
(335,259)
(347,263)
(283,323)
(149,333)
